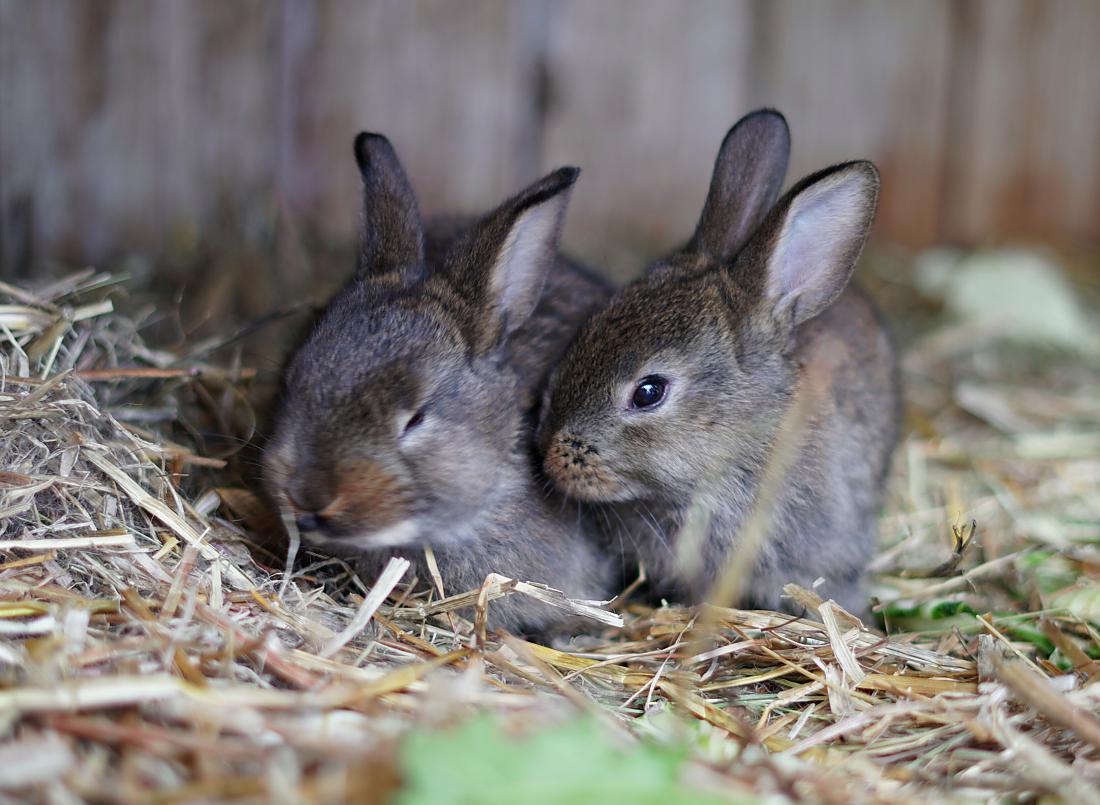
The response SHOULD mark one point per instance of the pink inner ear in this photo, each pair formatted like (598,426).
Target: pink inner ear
(519,270)
(814,255)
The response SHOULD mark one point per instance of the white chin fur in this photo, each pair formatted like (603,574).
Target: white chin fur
(394,536)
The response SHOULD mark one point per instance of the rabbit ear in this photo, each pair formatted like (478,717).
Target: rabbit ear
(748,175)
(391,238)
(810,243)
(502,263)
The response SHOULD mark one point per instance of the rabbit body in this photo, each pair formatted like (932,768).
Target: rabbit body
(405,417)
(670,401)
(824,517)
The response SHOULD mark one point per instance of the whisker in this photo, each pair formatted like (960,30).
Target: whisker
(650,519)
(622,541)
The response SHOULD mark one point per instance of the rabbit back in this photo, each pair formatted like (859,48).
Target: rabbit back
(826,518)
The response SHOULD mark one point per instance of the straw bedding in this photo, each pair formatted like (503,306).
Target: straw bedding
(152,650)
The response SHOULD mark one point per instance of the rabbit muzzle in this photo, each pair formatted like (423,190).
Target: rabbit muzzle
(358,502)
(576,467)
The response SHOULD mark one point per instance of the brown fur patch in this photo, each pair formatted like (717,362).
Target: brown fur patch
(367,493)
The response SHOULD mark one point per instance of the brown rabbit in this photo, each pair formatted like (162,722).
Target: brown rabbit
(405,414)
(672,396)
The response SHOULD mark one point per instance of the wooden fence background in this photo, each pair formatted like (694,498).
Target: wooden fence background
(126,122)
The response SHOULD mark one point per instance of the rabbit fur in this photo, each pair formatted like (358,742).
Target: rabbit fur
(753,310)
(404,419)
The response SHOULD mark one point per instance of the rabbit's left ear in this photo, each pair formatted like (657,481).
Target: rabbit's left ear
(391,238)
(748,174)
(501,264)
(805,252)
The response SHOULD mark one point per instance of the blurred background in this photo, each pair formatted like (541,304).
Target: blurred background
(205,146)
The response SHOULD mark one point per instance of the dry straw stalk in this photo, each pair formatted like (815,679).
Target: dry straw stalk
(145,651)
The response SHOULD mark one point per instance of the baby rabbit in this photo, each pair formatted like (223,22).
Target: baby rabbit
(672,396)
(404,419)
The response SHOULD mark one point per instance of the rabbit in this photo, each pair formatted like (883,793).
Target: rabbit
(672,396)
(404,419)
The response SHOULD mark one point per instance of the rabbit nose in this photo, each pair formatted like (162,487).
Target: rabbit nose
(310,501)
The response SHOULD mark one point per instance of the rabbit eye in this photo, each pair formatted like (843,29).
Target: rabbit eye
(415,421)
(649,392)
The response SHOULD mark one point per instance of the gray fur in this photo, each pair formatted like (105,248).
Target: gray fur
(405,417)
(734,336)
(748,175)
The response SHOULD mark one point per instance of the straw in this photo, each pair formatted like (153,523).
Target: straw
(151,645)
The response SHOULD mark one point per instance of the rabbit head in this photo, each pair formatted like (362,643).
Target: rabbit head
(691,367)
(399,419)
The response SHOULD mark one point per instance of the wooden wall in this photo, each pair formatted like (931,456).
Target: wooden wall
(128,124)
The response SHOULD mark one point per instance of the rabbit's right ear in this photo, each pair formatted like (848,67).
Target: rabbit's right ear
(748,175)
(391,238)
(500,265)
(803,255)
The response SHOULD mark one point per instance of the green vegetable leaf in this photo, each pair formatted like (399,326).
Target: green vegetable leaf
(481,762)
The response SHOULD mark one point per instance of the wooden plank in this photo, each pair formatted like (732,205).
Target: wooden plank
(1066,150)
(862,80)
(987,186)
(127,123)
(76,139)
(218,112)
(217,115)
(449,85)
(1026,162)
(641,94)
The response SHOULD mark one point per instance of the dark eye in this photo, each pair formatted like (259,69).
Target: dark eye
(415,421)
(649,392)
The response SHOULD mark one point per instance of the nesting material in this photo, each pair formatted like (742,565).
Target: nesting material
(145,651)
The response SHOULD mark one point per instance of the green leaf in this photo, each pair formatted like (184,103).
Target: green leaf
(1082,601)
(931,616)
(481,763)
(1025,633)
(946,616)
(1023,294)
(1051,570)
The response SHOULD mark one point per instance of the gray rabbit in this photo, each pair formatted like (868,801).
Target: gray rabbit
(405,415)
(672,396)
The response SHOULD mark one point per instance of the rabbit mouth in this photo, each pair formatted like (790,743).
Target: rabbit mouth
(576,467)
(395,535)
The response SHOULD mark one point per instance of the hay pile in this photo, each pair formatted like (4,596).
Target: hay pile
(147,655)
